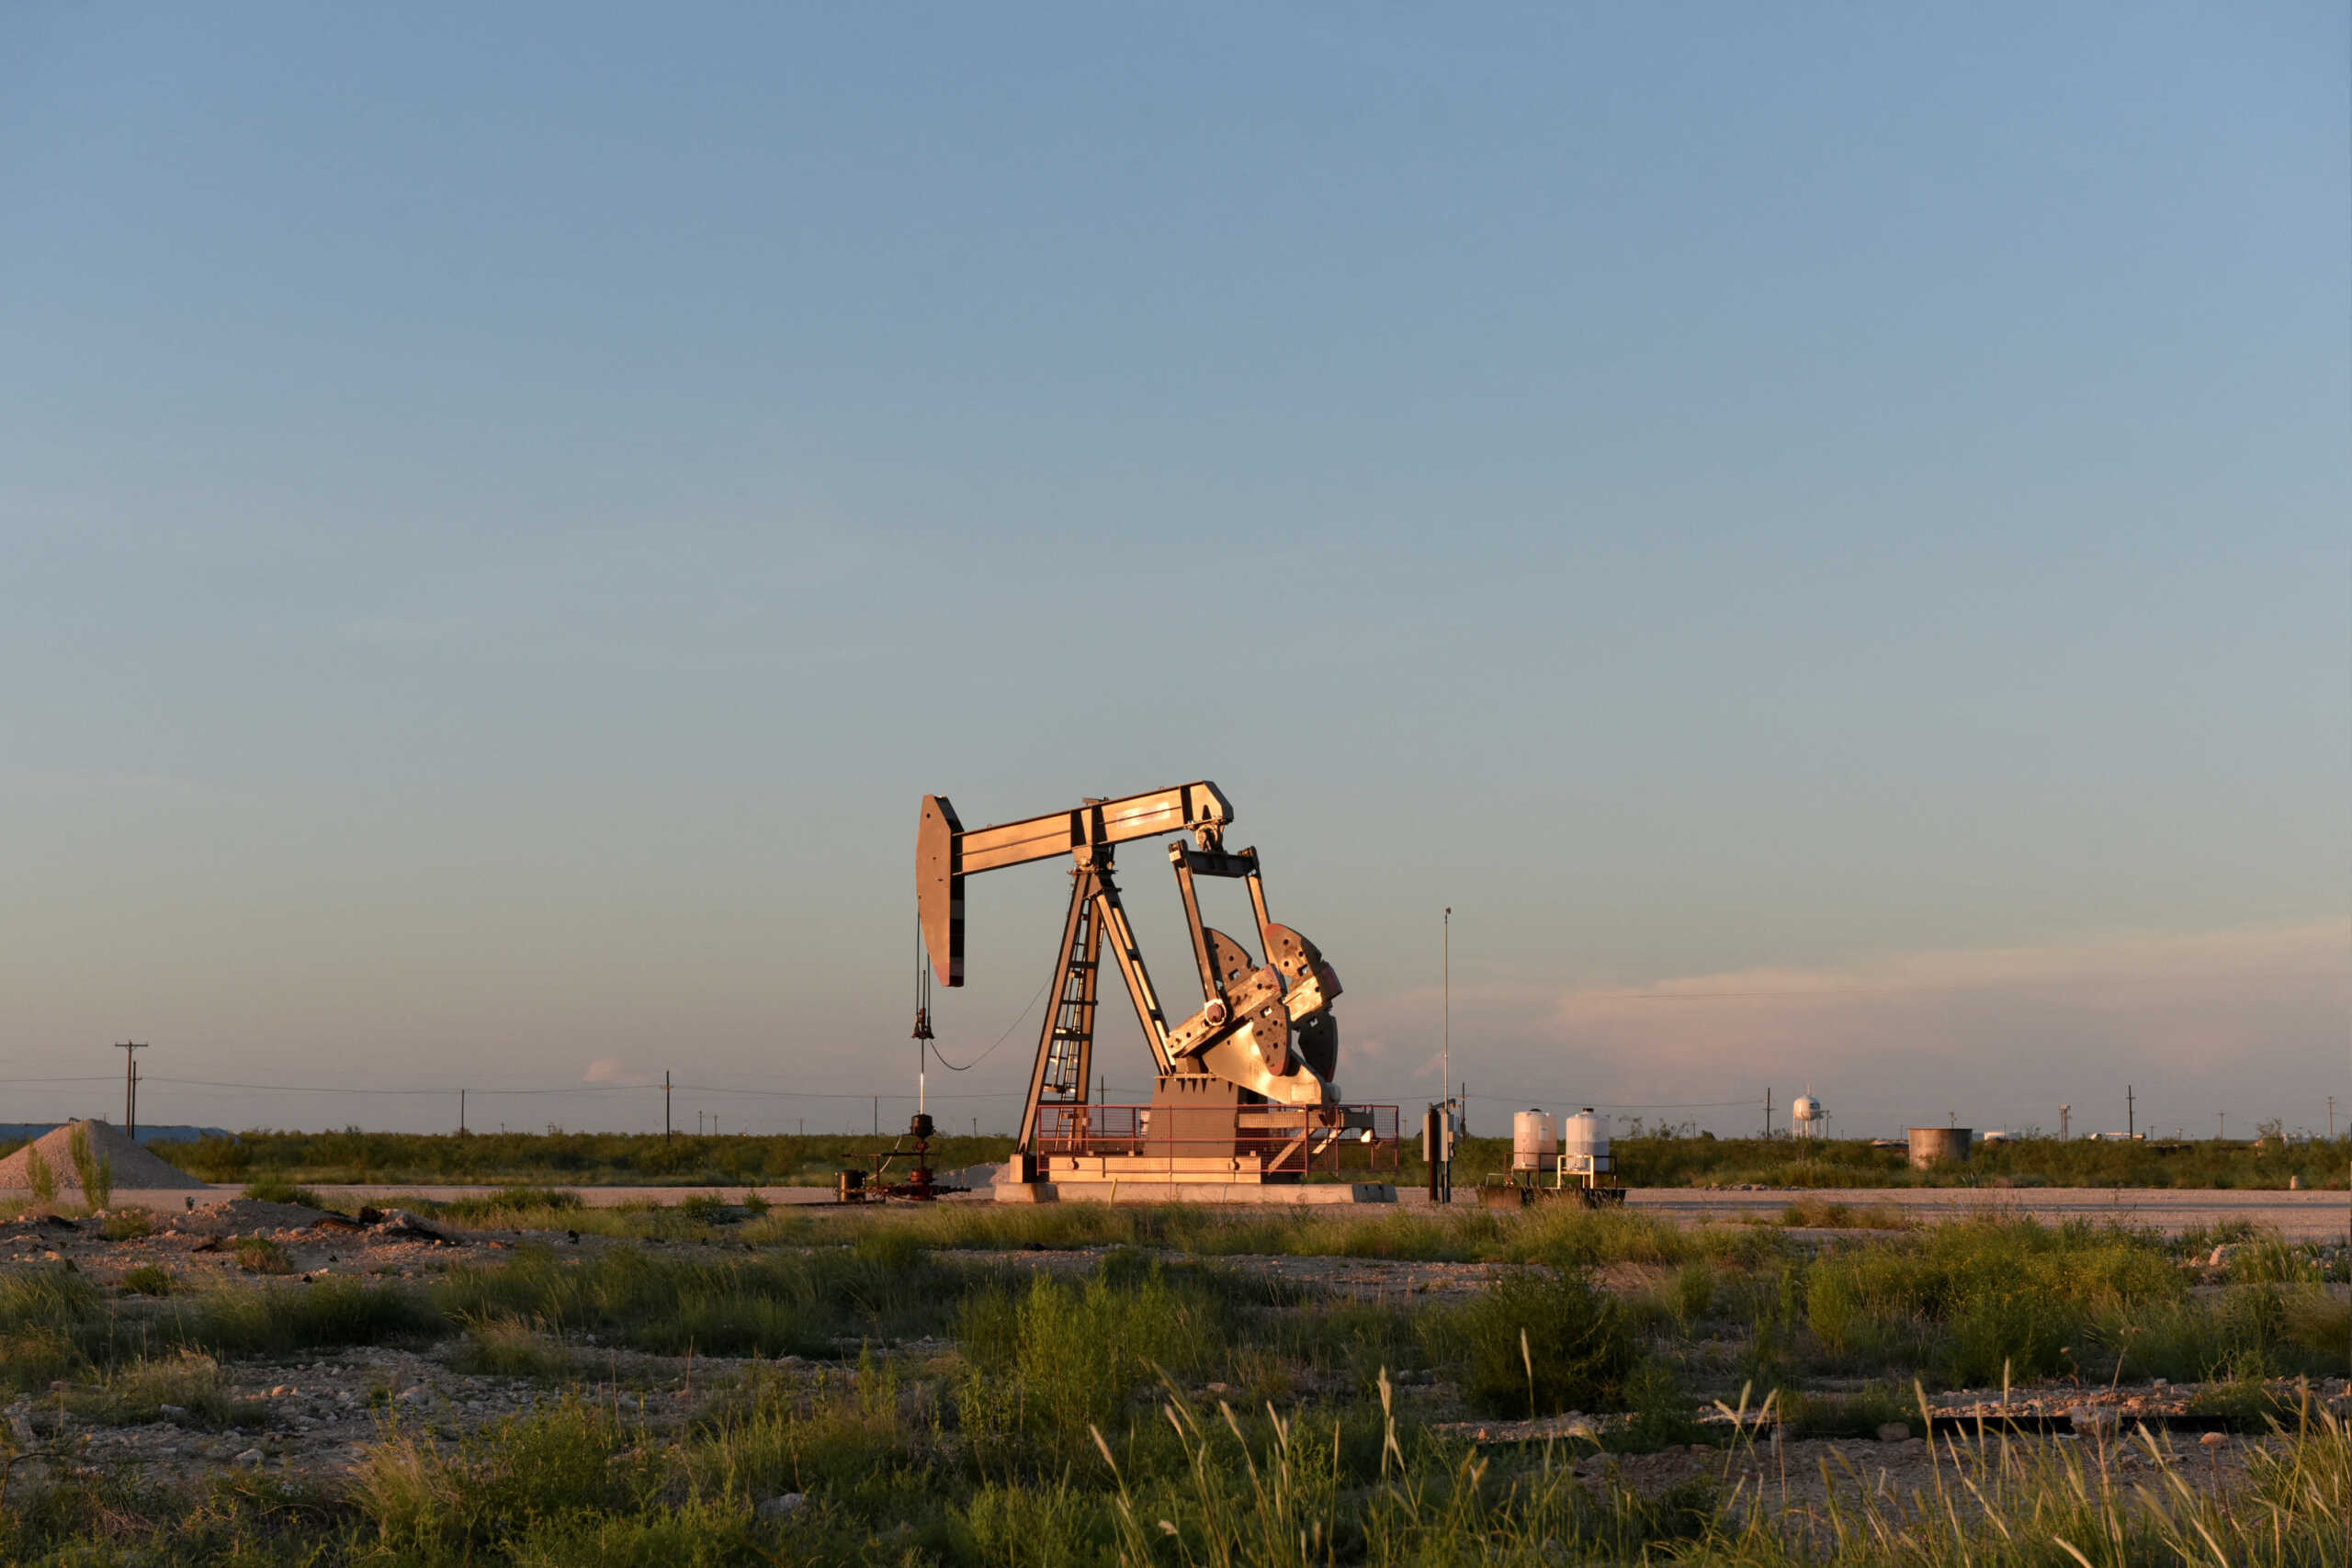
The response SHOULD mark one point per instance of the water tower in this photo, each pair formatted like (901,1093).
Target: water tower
(1806,1116)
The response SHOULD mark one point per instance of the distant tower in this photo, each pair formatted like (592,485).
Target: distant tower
(1806,1116)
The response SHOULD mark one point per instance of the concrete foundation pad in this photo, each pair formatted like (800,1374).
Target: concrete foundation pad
(1314,1194)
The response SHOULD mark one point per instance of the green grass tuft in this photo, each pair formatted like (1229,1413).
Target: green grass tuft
(150,1279)
(260,1255)
(1539,1342)
(277,1189)
(509,1348)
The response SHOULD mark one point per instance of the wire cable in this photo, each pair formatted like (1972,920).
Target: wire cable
(999,1039)
(348,1088)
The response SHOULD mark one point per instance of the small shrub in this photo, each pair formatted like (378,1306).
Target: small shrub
(260,1255)
(1691,1294)
(1741,1246)
(2321,1324)
(1859,1415)
(2269,1260)
(40,1177)
(277,1189)
(705,1208)
(34,1358)
(1540,1342)
(770,1305)
(1570,1236)
(45,1318)
(330,1312)
(2246,1405)
(94,1171)
(150,1279)
(1047,1525)
(47,1298)
(1661,1411)
(1812,1212)
(127,1225)
(1061,1356)
(1961,1301)
(1688,1510)
(186,1389)
(894,1249)
(465,1503)
(509,1348)
(508,1203)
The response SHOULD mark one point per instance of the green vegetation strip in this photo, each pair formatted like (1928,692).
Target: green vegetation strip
(1653,1158)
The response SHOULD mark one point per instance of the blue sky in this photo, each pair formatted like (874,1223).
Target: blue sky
(504,515)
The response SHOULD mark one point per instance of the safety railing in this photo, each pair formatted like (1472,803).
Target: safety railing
(1289,1141)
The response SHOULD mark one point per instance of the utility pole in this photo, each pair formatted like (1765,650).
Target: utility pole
(1446,1025)
(2331,1118)
(2130,1126)
(129,1084)
(665,1107)
(877,1115)
(1767,1114)
(697,1123)
(2063,1112)
(2221,1125)
(462,1114)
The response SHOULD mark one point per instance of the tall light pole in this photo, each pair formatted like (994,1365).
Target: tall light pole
(1446,1149)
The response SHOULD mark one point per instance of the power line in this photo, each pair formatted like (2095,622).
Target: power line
(444,1090)
(346,1088)
(814,1094)
(1619,1104)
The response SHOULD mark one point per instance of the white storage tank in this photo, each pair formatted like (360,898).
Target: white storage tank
(1584,1142)
(1532,1143)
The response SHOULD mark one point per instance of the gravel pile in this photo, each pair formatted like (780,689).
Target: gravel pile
(131,1165)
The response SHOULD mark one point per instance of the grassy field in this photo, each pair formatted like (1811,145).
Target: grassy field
(577,1158)
(1159,1401)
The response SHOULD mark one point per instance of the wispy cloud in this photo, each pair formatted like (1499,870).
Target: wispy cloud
(2249,1021)
(610,1070)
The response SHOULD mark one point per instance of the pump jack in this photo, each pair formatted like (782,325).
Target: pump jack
(1245,1093)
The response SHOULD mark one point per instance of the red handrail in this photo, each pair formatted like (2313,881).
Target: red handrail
(1290,1140)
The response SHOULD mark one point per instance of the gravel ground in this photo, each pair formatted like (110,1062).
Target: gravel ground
(2297,1216)
(317,1416)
